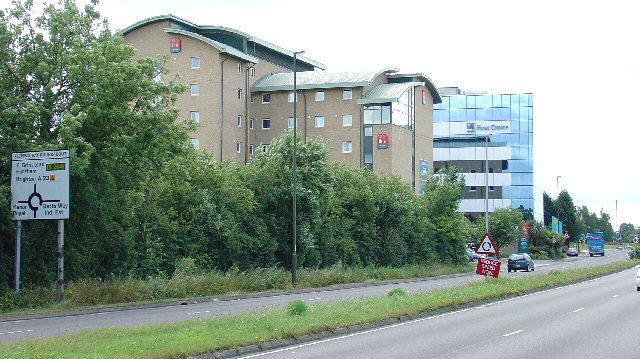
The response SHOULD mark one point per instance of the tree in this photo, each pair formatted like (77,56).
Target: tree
(627,230)
(548,207)
(67,82)
(505,226)
(605,226)
(566,212)
(527,214)
(448,228)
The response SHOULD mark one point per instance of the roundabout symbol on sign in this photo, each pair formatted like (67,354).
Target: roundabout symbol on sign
(36,206)
(486,246)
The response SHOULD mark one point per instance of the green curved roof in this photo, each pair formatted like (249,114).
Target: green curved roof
(241,41)
(435,92)
(317,80)
(384,93)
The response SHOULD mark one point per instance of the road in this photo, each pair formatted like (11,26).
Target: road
(594,319)
(44,326)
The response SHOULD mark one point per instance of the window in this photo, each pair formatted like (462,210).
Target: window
(319,96)
(265,148)
(251,97)
(251,124)
(195,143)
(252,72)
(195,62)
(195,116)
(319,121)
(240,68)
(239,120)
(238,147)
(346,147)
(473,171)
(347,120)
(472,189)
(266,98)
(157,75)
(290,122)
(291,96)
(346,94)
(492,188)
(251,150)
(195,89)
(240,94)
(490,170)
(266,124)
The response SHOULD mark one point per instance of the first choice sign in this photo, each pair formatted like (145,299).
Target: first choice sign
(40,185)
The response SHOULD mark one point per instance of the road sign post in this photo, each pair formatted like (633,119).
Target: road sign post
(486,266)
(40,190)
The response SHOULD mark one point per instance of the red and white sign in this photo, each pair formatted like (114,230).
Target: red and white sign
(487,246)
(488,267)
(383,141)
(176,44)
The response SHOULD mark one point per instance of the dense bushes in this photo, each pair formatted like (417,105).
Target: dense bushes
(142,199)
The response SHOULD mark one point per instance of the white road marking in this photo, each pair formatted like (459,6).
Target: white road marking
(18,332)
(437,316)
(312,299)
(579,310)
(615,296)
(512,333)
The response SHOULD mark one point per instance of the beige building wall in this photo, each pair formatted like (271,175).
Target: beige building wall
(224,81)
(424,130)
(333,134)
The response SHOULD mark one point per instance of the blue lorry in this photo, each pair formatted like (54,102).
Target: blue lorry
(596,243)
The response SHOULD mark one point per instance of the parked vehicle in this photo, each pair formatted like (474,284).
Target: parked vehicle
(520,261)
(596,243)
(473,256)
(638,281)
(572,252)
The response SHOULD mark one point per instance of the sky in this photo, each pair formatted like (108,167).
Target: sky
(580,59)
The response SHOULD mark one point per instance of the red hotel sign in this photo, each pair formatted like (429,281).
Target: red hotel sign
(176,44)
(488,267)
(383,141)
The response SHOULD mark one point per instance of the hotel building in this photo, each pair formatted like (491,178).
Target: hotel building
(241,97)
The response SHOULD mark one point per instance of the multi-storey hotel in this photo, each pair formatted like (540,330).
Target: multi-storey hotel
(241,97)
(489,138)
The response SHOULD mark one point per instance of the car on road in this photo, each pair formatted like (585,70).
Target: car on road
(638,280)
(472,256)
(572,252)
(520,261)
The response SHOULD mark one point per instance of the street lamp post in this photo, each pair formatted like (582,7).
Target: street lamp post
(294,255)
(486,182)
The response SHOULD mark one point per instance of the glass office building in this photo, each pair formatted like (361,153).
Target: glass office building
(489,139)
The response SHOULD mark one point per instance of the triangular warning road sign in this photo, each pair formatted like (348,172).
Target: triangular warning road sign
(486,246)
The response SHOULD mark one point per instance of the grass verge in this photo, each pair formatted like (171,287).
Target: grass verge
(191,338)
(199,284)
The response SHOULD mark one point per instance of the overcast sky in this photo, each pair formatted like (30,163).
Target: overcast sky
(580,59)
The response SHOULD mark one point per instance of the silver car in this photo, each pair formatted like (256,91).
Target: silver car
(638,280)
